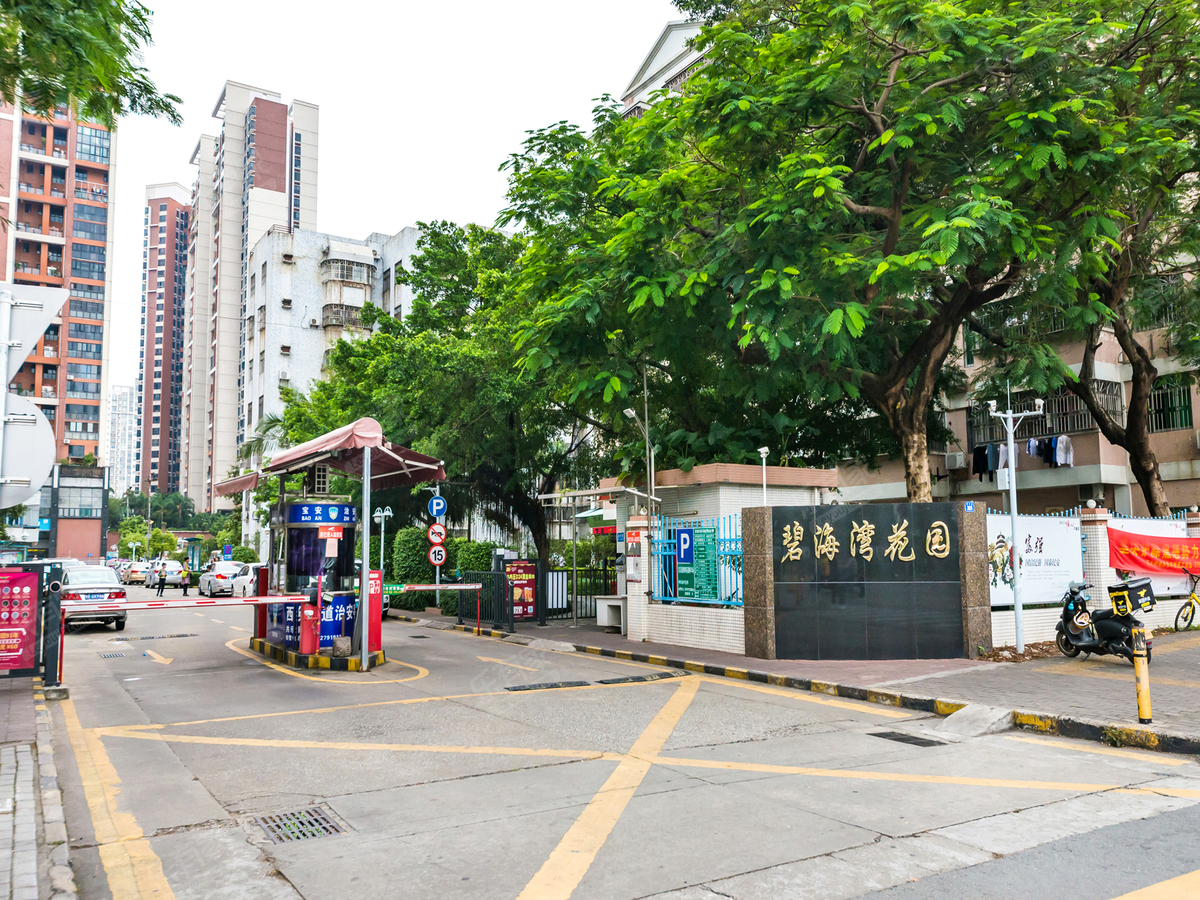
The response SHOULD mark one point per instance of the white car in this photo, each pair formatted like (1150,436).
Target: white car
(84,584)
(245,584)
(219,579)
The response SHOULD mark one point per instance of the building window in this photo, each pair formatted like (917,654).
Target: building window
(89,231)
(1171,404)
(92,144)
(86,309)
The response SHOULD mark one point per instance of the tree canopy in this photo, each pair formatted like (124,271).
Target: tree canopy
(838,189)
(85,54)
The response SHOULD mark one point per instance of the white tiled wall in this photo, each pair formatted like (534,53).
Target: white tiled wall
(718,628)
(1040,623)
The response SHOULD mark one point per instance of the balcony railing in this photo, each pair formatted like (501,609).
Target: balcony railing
(58,192)
(31,189)
(28,268)
(33,148)
(1064,414)
(99,195)
(48,393)
(337,315)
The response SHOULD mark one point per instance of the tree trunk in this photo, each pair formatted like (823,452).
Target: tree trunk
(914,447)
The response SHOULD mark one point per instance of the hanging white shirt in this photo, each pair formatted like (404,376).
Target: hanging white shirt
(1003,455)
(1064,454)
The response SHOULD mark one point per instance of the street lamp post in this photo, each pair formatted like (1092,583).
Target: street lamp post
(381,516)
(763,451)
(632,414)
(133,545)
(1011,421)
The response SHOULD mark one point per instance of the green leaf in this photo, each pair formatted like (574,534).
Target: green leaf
(833,322)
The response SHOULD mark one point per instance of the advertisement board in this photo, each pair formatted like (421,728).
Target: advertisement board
(322,514)
(1049,550)
(522,582)
(18,619)
(1165,584)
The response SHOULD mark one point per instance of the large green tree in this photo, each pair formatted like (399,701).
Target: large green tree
(444,381)
(849,183)
(86,54)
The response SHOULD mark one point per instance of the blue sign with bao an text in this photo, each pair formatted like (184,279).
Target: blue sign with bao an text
(322,514)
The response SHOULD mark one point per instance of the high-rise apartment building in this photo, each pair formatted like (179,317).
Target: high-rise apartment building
(56,183)
(160,375)
(121,438)
(258,173)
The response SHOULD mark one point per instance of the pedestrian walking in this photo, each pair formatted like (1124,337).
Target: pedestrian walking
(162,577)
(185,579)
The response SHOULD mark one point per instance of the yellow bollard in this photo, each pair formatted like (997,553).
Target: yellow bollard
(1141,675)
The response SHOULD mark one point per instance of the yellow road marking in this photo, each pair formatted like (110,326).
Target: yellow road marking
(1185,887)
(1082,669)
(962,781)
(133,870)
(235,628)
(218,621)
(561,873)
(503,663)
(421,671)
(201,615)
(857,705)
(1144,756)
(165,660)
(282,743)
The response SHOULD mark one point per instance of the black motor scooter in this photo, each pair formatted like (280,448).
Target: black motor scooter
(1105,631)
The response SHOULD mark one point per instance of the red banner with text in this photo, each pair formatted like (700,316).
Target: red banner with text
(1152,553)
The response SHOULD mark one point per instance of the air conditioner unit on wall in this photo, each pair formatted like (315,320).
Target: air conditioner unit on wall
(956,461)
(312,323)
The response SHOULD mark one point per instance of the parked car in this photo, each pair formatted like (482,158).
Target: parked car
(121,567)
(219,579)
(136,573)
(245,583)
(88,584)
(168,570)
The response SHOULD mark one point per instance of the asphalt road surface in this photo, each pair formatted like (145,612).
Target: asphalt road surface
(431,780)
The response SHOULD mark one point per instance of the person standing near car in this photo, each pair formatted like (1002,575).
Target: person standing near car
(162,577)
(185,579)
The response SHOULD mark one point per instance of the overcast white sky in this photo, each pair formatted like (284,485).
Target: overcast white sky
(420,103)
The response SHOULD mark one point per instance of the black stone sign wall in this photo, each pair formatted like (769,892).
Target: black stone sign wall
(877,581)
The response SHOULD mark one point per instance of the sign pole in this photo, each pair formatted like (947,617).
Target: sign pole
(365,575)
(574,565)
(437,570)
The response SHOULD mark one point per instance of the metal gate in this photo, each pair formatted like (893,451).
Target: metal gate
(590,583)
(725,539)
(491,607)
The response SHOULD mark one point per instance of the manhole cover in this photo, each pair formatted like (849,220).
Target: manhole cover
(299,826)
(110,655)
(902,738)
(157,637)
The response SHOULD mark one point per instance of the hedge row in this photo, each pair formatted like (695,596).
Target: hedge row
(410,565)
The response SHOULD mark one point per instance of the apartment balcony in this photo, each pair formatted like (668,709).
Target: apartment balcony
(27,268)
(27,188)
(338,315)
(48,393)
(60,193)
(33,148)
(95,194)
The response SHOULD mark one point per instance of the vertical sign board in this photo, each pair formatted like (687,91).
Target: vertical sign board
(878,581)
(375,623)
(18,619)
(522,581)
(696,557)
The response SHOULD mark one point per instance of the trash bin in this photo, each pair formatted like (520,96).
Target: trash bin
(1136,593)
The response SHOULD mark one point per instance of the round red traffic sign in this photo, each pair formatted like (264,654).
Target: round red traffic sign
(437,554)
(437,533)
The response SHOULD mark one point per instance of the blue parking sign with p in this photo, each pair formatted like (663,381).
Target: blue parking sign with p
(437,506)
(685,543)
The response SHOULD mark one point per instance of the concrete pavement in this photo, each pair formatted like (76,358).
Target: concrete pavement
(442,783)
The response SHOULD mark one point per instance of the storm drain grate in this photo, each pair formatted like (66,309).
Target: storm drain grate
(302,825)
(902,738)
(157,637)
(547,686)
(110,655)
(419,637)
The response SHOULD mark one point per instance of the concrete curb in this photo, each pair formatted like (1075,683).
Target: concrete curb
(1111,733)
(54,823)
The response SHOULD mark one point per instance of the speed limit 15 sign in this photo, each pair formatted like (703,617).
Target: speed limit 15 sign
(437,554)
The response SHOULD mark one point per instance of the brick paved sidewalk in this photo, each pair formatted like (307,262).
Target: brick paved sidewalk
(1099,689)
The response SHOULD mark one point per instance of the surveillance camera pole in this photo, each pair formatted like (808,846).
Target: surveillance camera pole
(1011,421)
(763,451)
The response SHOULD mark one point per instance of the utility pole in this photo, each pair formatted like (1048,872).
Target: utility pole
(1011,421)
